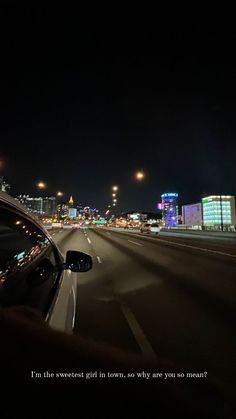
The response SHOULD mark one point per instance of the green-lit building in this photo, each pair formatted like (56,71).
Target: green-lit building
(219,212)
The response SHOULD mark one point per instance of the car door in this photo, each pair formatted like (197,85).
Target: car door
(30,267)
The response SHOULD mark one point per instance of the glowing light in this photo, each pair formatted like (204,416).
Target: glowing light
(139,175)
(167,195)
(115,188)
(59,193)
(41,185)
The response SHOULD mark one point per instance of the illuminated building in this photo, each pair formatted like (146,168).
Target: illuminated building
(72,210)
(219,211)
(169,209)
(192,215)
(62,210)
(39,205)
(71,202)
(4,186)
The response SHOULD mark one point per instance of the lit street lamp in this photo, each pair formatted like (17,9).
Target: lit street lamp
(115,188)
(139,175)
(41,185)
(59,193)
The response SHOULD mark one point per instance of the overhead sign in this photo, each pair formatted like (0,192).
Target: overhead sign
(100,222)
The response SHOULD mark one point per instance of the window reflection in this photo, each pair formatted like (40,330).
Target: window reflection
(20,243)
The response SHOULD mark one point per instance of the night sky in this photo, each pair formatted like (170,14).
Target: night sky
(82,110)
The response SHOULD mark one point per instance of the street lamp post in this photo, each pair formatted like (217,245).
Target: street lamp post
(41,186)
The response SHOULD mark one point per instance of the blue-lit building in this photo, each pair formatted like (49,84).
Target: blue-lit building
(169,209)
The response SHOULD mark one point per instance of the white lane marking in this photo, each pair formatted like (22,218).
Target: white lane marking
(53,234)
(197,248)
(89,240)
(99,260)
(137,331)
(138,244)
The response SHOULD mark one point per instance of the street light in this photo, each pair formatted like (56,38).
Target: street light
(59,193)
(41,185)
(114,195)
(139,175)
(115,188)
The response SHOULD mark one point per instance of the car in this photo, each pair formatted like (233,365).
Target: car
(145,228)
(155,228)
(75,225)
(33,271)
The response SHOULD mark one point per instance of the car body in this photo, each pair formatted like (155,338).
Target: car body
(75,225)
(150,228)
(145,228)
(155,228)
(33,271)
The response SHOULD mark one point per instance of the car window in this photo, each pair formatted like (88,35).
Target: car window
(28,265)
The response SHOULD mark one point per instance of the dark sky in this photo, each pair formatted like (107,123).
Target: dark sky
(83,110)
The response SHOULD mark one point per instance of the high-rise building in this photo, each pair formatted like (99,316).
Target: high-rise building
(219,211)
(49,205)
(71,202)
(72,210)
(63,210)
(169,209)
(39,205)
(4,186)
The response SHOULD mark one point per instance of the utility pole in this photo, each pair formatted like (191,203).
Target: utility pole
(221,215)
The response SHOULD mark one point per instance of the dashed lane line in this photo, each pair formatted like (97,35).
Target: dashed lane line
(138,333)
(138,244)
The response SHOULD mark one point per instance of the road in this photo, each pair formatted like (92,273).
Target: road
(168,298)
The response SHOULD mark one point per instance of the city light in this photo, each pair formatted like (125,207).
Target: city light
(114,195)
(59,193)
(115,188)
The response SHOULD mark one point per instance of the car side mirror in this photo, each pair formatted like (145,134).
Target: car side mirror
(78,261)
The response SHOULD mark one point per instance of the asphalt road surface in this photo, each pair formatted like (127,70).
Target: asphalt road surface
(168,298)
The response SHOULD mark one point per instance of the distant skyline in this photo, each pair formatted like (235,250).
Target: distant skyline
(84,110)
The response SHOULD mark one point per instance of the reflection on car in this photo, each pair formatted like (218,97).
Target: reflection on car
(33,272)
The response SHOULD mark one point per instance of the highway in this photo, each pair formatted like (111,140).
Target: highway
(168,298)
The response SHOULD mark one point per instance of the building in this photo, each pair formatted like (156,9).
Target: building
(192,215)
(39,205)
(72,212)
(4,186)
(49,206)
(169,209)
(62,210)
(219,212)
